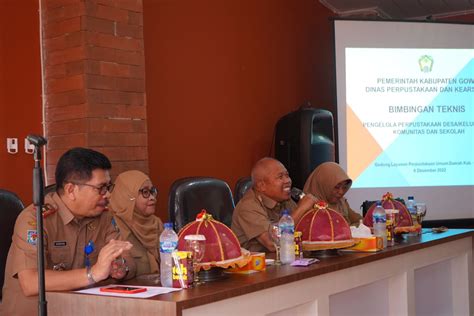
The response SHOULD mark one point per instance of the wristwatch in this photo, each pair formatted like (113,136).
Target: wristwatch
(90,277)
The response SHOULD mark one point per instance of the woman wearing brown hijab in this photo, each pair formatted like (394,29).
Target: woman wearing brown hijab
(329,182)
(133,205)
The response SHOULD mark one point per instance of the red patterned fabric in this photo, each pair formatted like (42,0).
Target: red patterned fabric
(388,202)
(221,242)
(324,225)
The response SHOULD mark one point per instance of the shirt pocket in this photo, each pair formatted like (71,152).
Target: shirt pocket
(136,253)
(60,256)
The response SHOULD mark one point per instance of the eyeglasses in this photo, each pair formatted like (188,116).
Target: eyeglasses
(343,185)
(103,189)
(145,192)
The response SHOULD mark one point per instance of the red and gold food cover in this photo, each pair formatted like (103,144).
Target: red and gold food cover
(324,228)
(222,246)
(405,222)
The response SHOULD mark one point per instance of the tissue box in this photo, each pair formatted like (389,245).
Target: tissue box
(256,264)
(367,244)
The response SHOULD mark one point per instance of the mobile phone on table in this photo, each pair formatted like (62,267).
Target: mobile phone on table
(123,289)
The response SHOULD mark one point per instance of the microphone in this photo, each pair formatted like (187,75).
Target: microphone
(36,140)
(296,194)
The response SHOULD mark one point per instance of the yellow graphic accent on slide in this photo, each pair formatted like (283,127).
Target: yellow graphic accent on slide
(360,144)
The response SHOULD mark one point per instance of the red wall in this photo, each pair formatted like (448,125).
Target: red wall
(20,91)
(219,74)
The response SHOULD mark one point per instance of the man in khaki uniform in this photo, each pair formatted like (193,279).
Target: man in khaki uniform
(263,204)
(79,236)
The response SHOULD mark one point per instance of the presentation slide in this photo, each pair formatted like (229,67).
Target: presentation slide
(405,112)
(410,117)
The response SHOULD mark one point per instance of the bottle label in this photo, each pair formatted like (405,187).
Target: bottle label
(287,229)
(378,218)
(168,246)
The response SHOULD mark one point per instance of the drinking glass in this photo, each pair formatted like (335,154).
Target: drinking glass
(196,244)
(392,222)
(275,234)
(420,213)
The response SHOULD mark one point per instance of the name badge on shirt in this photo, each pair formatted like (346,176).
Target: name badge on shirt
(60,243)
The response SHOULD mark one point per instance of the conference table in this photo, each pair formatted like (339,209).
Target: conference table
(426,275)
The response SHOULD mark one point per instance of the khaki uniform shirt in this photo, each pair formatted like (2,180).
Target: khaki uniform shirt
(252,217)
(140,253)
(64,240)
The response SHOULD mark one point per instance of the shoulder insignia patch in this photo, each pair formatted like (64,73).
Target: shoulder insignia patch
(48,209)
(31,237)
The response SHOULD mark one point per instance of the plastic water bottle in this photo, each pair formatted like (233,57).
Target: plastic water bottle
(379,218)
(411,207)
(287,239)
(168,244)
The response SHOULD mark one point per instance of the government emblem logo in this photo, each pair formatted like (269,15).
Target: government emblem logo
(426,63)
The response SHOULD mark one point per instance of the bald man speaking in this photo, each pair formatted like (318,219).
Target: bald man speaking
(264,203)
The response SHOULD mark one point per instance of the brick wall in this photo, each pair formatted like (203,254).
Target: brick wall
(94,80)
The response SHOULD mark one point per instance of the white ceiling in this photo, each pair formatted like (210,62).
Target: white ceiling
(400,9)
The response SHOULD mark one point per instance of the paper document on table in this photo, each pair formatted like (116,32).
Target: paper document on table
(150,291)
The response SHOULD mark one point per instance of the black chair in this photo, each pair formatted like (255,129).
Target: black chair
(10,207)
(50,188)
(188,196)
(241,186)
(367,204)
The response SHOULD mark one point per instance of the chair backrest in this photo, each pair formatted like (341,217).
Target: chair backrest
(188,196)
(241,186)
(50,188)
(10,207)
(367,204)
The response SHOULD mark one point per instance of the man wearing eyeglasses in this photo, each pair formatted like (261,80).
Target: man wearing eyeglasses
(81,242)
